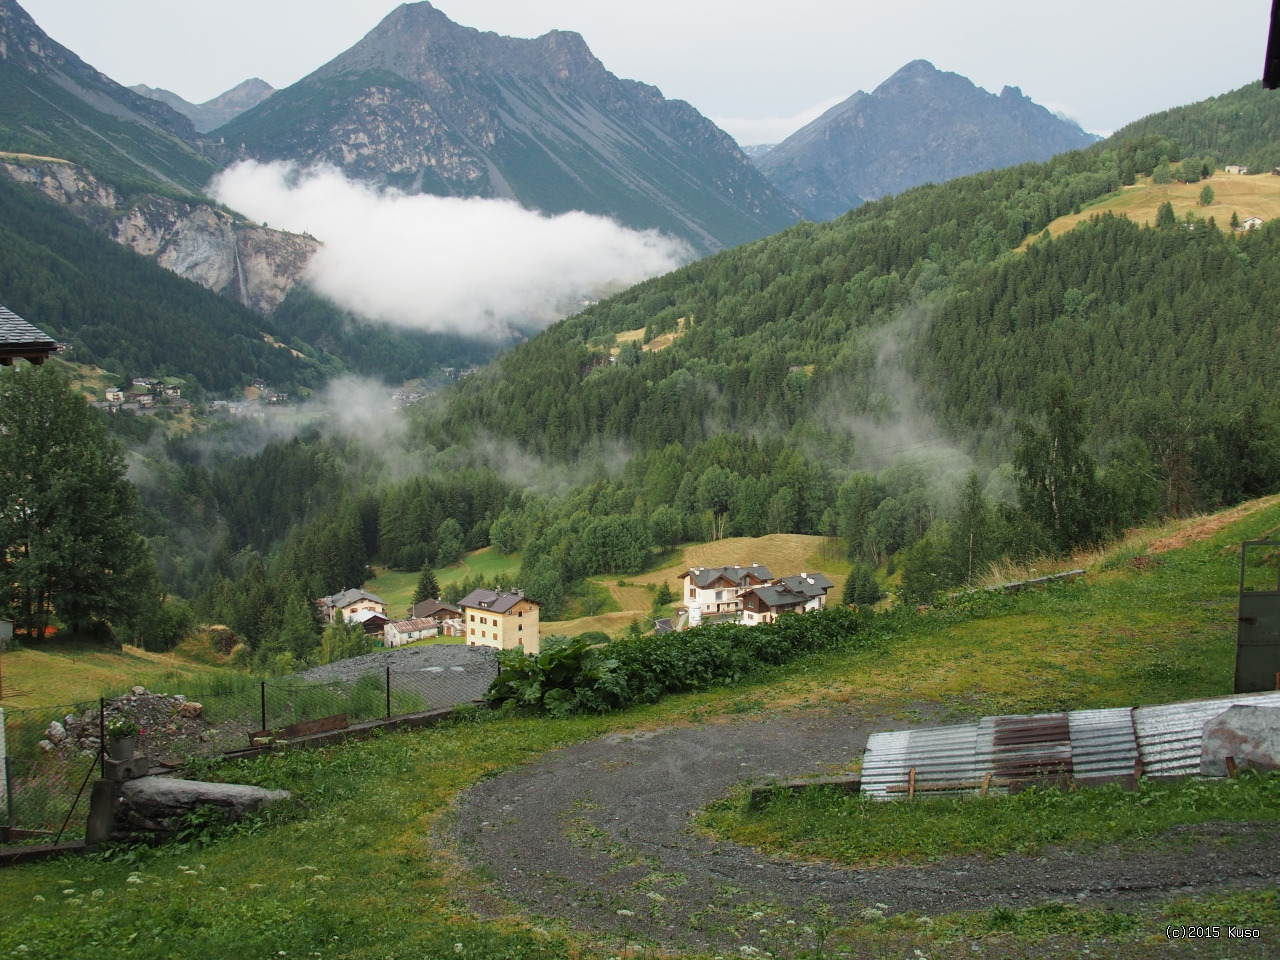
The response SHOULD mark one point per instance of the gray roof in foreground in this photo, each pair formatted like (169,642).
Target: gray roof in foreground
(17,334)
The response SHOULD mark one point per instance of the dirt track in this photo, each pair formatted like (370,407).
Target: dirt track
(596,835)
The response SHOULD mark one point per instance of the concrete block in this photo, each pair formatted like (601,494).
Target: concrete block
(1248,734)
(102,812)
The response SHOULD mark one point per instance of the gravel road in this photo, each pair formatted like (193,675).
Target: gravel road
(596,834)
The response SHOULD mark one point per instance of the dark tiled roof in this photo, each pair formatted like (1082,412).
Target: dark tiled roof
(431,608)
(20,339)
(705,576)
(776,596)
(491,601)
(810,584)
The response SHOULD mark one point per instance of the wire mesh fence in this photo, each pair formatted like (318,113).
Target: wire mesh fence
(49,755)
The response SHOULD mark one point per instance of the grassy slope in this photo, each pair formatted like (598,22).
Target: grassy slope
(783,553)
(396,587)
(65,672)
(356,872)
(1249,196)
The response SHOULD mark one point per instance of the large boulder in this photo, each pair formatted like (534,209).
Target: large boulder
(161,804)
(1250,735)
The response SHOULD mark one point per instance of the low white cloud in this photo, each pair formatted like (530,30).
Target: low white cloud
(759,130)
(470,266)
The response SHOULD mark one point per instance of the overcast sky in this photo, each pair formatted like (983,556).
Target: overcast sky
(758,69)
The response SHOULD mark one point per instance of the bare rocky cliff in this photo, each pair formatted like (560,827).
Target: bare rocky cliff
(255,265)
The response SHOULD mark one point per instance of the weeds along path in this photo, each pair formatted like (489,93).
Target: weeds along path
(597,834)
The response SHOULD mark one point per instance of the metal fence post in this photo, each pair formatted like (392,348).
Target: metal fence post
(388,691)
(8,792)
(4,780)
(102,734)
(264,705)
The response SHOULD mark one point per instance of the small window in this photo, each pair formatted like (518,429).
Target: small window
(473,631)
(482,633)
(484,619)
(473,618)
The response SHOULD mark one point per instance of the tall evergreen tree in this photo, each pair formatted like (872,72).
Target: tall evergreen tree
(428,588)
(68,540)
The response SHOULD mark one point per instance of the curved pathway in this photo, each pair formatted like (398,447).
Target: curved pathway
(597,834)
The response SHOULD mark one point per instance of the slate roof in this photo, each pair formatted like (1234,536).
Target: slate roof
(19,339)
(737,575)
(491,601)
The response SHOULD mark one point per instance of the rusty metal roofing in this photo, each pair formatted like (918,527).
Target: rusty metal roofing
(1104,745)
(1170,735)
(1090,746)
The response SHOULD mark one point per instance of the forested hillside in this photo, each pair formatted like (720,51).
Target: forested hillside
(128,315)
(1241,127)
(931,379)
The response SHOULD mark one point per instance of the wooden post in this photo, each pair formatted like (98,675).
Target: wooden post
(986,783)
(911,783)
(1231,767)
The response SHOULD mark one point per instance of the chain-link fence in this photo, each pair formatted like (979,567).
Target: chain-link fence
(52,753)
(49,756)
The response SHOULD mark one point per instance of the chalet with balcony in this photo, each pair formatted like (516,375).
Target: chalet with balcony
(719,589)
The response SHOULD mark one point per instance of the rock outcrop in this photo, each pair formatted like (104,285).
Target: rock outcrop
(252,264)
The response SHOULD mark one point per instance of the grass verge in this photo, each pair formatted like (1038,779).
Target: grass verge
(822,823)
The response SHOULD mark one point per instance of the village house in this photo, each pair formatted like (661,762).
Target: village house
(400,632)
(434,608)
(501,619)
(114,395)
(1251,224)
(719,589)
(349,603)
(372,621)
(798,594)
(1236,169)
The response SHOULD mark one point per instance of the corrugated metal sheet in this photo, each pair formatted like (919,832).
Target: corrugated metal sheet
(1104,745)
(1091,746)
(1024,747)
(940,756)
(1170,735)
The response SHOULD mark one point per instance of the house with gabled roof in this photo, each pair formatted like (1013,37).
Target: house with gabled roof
(719,589)
(349,603)
(797,594)
(434,608)
(504,619)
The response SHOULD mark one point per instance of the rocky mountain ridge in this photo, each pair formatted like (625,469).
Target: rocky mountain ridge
(427,105)
(255,265)
(921,125)
(212,113)
(52,103)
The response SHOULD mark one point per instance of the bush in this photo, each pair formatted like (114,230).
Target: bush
(579,677)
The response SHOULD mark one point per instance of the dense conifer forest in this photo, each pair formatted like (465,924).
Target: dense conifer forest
(931,380)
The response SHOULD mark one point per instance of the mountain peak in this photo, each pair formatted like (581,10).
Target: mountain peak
(920,125)
(436,107)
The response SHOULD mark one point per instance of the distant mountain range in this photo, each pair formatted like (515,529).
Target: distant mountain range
(53,104)
(430,106)
(922,125)
(213,113)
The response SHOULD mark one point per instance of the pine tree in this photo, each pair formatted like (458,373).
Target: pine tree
(428,588)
